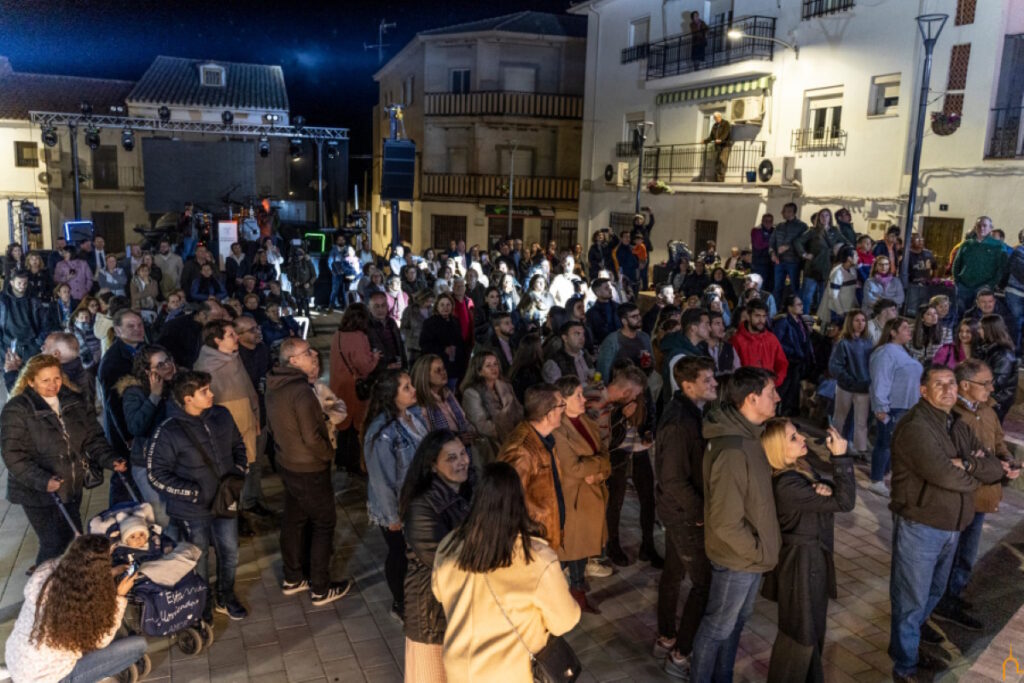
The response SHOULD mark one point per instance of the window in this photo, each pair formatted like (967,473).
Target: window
(519,78)
(639,31)
(458,160)
(26,154)
(104,168)
(704,232)
(965,12)
(629,126)
(885,95)
(497,229)
(959,59)
(523,157)
(1006,126)
(447,228)
(820,8)
(212,75)
(618,221)
(460,81)
(407,90)
(823,112)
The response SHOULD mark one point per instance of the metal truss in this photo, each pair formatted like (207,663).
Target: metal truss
(48,118)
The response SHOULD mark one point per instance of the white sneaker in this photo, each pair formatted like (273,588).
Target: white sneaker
(879,488)
(598,570)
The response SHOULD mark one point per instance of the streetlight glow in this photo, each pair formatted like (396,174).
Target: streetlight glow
(735,34)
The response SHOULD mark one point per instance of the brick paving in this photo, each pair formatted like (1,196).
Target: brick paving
(287,640)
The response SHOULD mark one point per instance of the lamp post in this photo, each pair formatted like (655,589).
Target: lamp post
(639,140)
(511,183)
(736,34)
(930,26)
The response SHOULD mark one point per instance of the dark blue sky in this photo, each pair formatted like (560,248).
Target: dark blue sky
(319,44)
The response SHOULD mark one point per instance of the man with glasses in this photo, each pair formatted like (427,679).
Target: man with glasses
(630,343)
(304,456)
(255,356)
(530,449)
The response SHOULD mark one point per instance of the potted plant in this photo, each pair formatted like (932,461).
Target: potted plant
(945,124)
(656,186)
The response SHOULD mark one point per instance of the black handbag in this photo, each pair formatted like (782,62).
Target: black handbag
(229,490)
(364,385)
(556,662)
(93,475)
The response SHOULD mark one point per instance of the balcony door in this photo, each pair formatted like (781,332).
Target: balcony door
(518,78)
(523,161)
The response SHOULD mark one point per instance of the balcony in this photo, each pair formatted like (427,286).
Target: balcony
(818,140)
(678,55)
(625,150)
(473,186)
(1007,140)
(635,53)
(503,103)
(695,162)
(822,8)
(108,177)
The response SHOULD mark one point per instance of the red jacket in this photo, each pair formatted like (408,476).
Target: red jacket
(761,350)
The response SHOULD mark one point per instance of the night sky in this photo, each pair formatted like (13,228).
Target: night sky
(319,44)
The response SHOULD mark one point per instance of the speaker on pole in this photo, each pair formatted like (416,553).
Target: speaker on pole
(398,175)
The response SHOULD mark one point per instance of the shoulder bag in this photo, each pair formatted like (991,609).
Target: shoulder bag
(364,385)
(229,490)
(556,662)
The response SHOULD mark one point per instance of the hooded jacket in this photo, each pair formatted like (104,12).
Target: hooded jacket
(761,350)
(741,530)
(297,422)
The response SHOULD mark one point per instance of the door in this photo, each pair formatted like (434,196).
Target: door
(940,236)
(704,231)
(497,229)
(405,227)
(104,168)
(519,78)
(110,226)
(446,229)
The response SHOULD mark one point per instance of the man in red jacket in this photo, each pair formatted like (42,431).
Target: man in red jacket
(756,346)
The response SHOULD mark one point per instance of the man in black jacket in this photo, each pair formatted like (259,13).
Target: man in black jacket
(499,339)
(183,336)
(602,316)
(937,464)
(721,135)
(679,459)
(130,334)
(255,356)
(21,317)
(304,456)
(188,455)
(384,334)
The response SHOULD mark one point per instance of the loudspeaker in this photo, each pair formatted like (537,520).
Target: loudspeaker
(398,175)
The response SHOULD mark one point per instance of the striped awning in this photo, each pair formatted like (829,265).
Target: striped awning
(716,91)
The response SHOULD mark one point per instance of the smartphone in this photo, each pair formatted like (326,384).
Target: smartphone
(14,346)
(132,569)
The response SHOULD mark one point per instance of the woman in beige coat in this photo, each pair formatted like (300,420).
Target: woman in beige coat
(583,465)
(495,580)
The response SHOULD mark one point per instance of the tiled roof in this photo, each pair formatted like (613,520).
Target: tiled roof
(21,93)
(174,81)
(539,23)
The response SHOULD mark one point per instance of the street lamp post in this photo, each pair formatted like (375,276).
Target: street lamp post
(639,140)
(930,26)
(513,145)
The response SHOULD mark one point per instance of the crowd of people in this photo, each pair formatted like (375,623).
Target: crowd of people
(499,401)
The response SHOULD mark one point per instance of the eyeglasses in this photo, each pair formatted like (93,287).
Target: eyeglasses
(247,330)
(988,383)
(165,363)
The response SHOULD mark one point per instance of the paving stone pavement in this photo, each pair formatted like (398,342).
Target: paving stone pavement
(288,640)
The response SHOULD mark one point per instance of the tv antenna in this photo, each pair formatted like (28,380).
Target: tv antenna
(382,28)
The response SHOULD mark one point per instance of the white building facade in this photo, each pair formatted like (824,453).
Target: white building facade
(833,105)
(478,98)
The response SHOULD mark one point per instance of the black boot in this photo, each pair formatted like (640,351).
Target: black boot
(617,555)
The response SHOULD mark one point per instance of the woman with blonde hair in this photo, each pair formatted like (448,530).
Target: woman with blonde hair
(805,576)
(51,444)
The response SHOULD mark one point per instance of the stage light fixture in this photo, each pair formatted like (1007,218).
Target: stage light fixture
(264,147)
(332,149)
(164,113)
(128,139)
(271,118)
(227,117)
(85,108)
(92,138)
(50,136)
(295,148)
(298,122)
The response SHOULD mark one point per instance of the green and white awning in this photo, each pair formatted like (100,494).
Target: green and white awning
(716,91)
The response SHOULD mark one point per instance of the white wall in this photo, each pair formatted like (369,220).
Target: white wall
(21,182)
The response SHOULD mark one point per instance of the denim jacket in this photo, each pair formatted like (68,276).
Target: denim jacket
(389,447)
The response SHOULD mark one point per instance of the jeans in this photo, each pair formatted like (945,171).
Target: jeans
(52,529)
(730,602)
(307,527)
(338,288)
(252,487)
(966,555)
(964,299)
(921,560)
(396,564)
(684,554)
(577,574)
(781,271)
(882,453)
(643,480)
(810,294)
(108,661)
(223,533)
(150,496)
(1016,305)
(861,404)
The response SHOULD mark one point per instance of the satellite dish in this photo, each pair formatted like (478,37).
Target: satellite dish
(765,170)
(609,173)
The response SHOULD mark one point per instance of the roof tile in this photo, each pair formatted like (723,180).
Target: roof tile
(174,81)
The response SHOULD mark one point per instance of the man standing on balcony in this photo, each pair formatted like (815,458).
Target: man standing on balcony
(721,135)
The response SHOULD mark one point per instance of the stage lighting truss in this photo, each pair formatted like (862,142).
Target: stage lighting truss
(128,139)
(264,147)
(227,117)
(332,149)
(164,113)
(295,148)
(92,137)
(50,138)
(45,119)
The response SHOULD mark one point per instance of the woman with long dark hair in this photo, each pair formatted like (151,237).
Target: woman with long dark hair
(997,350)
(491,405)
(440,407)
(50,438)
(434,500)
(352,361)
(62,307)
(442,336)
(805,577)
(526,365)
(72,612)
(961,348)
(850,365)
(927,337)
(394,427)
(501,586)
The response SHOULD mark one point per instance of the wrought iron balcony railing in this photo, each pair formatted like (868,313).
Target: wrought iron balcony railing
(469,185)
(696,161)
(685,53)
(818,139)
(821,8)
(1007,138)
(504,103)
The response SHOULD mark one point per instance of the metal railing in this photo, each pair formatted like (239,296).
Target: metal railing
(681,54)
(625,150)
(817,139)
(496,186)
(1007,139)
(695,162)
(635,53)
(821,8)
(104,177)
(504,103)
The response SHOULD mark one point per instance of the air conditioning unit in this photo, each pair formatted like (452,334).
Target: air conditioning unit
(746,109)
(776,171)
(51,180)
(617,174)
